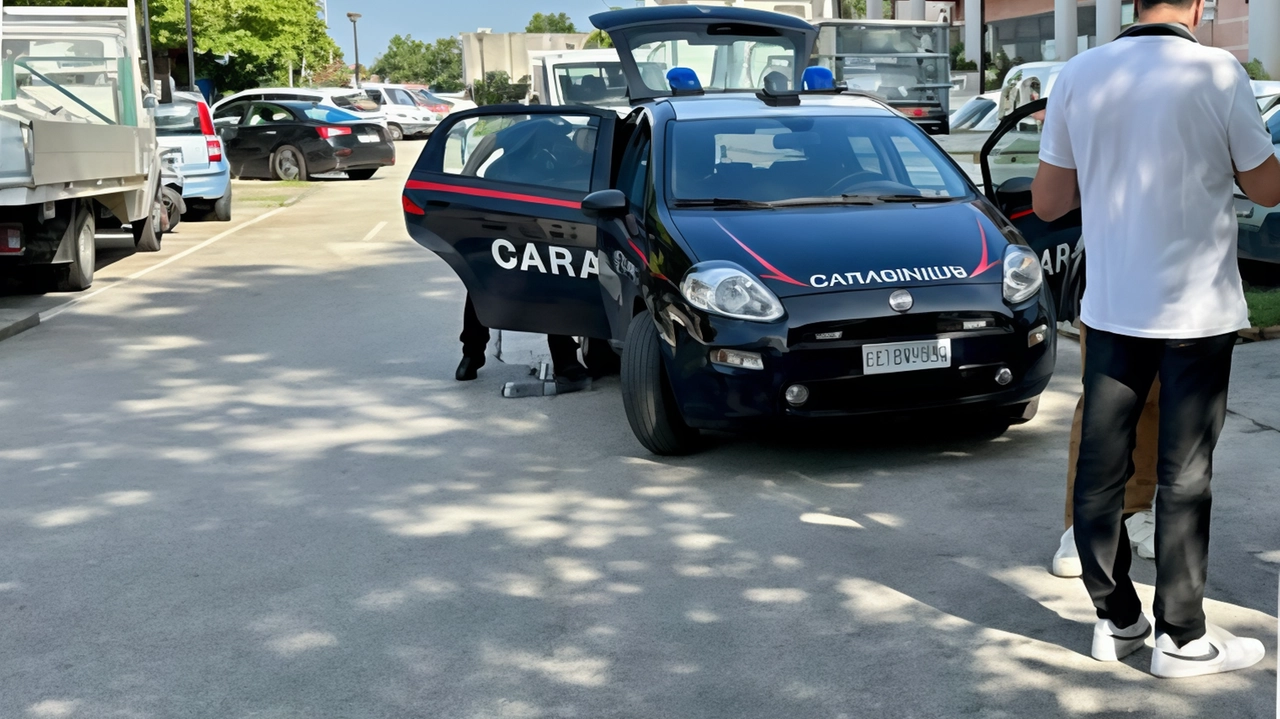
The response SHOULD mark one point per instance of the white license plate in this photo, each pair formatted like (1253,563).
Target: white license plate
(368,138)
(906,356)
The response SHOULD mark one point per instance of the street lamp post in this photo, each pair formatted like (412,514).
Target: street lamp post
(355,36)
(191,52)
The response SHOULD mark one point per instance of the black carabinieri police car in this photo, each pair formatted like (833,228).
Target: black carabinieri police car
(754,252)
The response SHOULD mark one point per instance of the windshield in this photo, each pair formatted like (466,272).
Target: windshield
(76,77)
(592,83)
(330,114)
(771,159)
(721,62)
(180,117)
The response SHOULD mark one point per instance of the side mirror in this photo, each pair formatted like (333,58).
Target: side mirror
(150,102)
(604,203)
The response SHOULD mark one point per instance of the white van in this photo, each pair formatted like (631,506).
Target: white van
(407,114)
(582,77)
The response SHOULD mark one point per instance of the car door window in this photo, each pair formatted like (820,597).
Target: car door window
(634,169)
(402,98)
(264,113)
(229,114)
(544,150)
(376,96)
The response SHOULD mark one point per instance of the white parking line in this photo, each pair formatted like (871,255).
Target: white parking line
(46,316)
(376,229)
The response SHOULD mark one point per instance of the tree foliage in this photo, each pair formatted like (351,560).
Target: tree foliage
(497,89)
(858,8)
(437,64)
(261,37)
(559,22)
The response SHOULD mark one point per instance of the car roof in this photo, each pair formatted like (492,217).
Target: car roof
(618,19)
(734,105)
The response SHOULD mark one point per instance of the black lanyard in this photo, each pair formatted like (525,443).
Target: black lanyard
(1168,29)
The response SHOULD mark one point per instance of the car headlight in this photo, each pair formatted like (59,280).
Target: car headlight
(724,289)
(1022,274)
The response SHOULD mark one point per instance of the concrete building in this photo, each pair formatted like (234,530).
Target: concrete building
(484,51)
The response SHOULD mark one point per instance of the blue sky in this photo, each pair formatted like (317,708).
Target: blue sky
(430,19)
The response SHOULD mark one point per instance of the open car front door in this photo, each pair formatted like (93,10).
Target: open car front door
(728,48)
(1010,159)
(497,193)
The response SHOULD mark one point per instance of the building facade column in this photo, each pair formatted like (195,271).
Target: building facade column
(916,10)
(973,30)
(1064,29)
(1109,19)
(1264,35)
(875,10)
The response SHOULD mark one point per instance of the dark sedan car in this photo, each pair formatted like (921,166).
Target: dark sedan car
(756,256)
(294,140)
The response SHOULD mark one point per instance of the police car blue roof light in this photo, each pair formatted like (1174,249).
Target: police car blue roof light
(818,78)
(684,81)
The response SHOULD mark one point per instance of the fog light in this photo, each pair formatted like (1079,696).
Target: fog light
(1037,335)
(1004,376)
(737,358)
(797,394)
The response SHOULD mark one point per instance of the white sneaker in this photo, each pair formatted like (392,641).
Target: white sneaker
(1066,562)
(1217,651)
(1111,643)
(1142,534)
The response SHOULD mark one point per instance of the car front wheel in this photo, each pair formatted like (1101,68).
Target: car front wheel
(397,133)
(646,393)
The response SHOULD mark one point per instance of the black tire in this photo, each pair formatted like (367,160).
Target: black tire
(397,132)
(84,255)
(361,174)
(147,233)
(288,163)
(222,208)
(646,393)
(172,200)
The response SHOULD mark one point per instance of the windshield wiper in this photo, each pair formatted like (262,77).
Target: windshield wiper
(723,202)
(828,200)
(911,198)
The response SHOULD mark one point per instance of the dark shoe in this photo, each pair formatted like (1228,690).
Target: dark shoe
(572,378)
(468,367)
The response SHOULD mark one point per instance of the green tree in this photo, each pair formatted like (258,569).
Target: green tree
(437,64)
(559,22)
(497,88)
(858,8)
(598,39)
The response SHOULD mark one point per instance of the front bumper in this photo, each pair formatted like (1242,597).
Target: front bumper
(712,396)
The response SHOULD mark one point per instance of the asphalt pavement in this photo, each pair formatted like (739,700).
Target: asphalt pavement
(239,481)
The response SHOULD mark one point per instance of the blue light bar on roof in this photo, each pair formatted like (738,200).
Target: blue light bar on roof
(818,78)
(683,81)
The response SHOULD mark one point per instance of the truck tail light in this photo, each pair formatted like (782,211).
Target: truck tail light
(213,143)
(329,131)
(11,240)
(912,111)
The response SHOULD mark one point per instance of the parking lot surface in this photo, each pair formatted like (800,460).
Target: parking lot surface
(239,480)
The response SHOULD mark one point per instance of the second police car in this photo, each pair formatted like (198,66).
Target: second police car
(754,252)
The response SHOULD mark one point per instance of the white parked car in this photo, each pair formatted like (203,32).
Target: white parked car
(406,116)
(978,114)
(350,99)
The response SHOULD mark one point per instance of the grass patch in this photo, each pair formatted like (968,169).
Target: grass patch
(292,183)
(269,200)
(1264,307)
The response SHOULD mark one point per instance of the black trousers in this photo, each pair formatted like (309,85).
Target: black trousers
(1118,372)
(475,338)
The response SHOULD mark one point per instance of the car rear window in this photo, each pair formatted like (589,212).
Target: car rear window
(359,103)
(179,117)
(330,114)
(770,159)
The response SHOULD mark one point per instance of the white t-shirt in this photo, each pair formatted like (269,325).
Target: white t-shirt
(1152,125)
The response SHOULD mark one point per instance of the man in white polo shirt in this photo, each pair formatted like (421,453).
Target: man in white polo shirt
(1146,135)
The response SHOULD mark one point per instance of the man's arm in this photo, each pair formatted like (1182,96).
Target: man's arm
(1055,192)
(1262,184)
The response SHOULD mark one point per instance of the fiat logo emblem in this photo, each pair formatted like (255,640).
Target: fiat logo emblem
(901,300)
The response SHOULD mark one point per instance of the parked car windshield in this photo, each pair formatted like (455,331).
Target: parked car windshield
(180,117)
(721,62)
(324,113)
(770,159)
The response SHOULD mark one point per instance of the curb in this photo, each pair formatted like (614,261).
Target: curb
(9,328)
